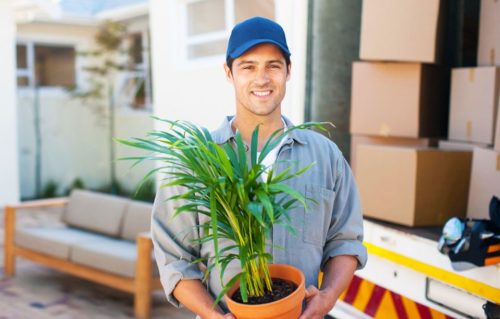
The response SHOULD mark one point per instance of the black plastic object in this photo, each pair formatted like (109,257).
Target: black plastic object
(479,243)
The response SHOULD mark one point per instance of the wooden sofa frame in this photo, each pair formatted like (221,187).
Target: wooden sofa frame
(141,286)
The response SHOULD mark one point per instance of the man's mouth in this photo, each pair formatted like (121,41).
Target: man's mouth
(262,93)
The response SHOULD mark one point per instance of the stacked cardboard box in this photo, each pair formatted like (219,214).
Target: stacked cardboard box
(407,31)
(485,181)
(474,116)
(473,104)
(359,140)
(489,34)
(413,186)
(400,98)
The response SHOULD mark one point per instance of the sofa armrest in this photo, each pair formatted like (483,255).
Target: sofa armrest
(40,203)
(144,247)
(10,225)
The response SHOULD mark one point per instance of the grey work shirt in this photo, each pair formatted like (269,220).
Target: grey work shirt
(330,226)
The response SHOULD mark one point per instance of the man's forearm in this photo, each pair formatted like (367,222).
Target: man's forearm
(194,296)
(337,275)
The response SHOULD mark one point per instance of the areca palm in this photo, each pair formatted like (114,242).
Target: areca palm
(222,183)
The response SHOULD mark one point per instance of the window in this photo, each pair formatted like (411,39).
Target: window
(136,48)
(209,23)
(45,65)
(54,66)
(135,88)
(23,68)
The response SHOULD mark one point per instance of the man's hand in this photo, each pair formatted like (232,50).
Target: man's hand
(222,316)
(318,304)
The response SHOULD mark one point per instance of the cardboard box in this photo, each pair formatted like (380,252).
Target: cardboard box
(357,140)
(413,186)
(485,182)
(497,129)
(473,104)
(408,31)
(399,100)
(488,52)
(459,146)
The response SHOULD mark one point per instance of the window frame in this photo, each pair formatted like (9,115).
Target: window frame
(188,40)
(29,72)
(141,70)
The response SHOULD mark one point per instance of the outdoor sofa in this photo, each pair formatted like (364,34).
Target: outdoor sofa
(102,238)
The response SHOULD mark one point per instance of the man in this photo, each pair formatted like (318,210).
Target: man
(329,236)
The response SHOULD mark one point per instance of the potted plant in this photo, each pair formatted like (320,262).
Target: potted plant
(223,184)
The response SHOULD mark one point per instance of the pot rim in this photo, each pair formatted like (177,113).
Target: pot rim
(300,287)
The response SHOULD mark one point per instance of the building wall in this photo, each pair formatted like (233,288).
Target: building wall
(129,125)
(198,91)
(9,182)
(74,135)
(334,44)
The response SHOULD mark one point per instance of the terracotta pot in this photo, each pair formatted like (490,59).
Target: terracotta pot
(289,307)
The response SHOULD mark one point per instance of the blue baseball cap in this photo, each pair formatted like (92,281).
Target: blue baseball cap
(254,31)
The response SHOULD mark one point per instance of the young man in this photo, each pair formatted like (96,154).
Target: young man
(329,236)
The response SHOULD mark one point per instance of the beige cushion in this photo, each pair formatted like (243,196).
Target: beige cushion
(97,212)
(111,255)
(137,219)
(52,241)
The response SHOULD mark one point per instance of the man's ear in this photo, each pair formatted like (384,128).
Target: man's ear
(289,71)
(229,73)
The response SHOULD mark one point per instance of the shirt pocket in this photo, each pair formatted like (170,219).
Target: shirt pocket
(318,213)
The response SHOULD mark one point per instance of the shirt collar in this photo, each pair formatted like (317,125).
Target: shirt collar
(225,133)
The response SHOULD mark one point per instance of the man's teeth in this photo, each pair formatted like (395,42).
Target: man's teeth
(262,93)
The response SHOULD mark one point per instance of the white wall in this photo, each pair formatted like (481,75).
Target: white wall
(129,125)
(75,140)
(198,91)
(9,181)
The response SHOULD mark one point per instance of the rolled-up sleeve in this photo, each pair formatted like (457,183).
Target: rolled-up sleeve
(174,249)
(345,233)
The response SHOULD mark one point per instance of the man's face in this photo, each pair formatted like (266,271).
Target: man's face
(259,78)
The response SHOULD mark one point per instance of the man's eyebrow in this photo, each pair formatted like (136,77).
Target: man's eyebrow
(255,62)
(247,62)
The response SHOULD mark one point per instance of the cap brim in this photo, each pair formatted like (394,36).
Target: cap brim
(250,44)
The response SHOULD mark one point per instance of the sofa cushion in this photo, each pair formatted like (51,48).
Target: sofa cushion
(137,219)
(97,212)
(111,255)
(53,241)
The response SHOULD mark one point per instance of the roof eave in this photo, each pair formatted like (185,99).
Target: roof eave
(125,12)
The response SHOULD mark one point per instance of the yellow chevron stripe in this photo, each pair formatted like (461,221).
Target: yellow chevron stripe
(469,285)
(364,294)
(411,308)
(386,308)
(436,314)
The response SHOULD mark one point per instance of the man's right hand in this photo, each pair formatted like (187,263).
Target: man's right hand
(194,296)
(223,316)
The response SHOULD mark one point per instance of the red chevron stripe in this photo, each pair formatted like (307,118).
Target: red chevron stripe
(398,305)
(424,311)
(352,291)
(375,299)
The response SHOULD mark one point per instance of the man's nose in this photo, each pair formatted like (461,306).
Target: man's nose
(262,77)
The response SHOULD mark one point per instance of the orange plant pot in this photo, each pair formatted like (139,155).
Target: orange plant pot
(289,307)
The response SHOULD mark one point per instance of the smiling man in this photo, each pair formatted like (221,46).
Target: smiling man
(330,234)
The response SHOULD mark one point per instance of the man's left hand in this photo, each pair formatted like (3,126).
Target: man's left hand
(318,304)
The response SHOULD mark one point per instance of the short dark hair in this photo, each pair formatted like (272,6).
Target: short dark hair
(230,61)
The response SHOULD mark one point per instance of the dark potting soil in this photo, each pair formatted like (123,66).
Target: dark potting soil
(281,289)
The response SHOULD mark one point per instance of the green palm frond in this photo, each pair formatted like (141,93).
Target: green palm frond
(223,185)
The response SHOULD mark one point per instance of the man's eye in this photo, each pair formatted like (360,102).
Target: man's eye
(249,67)
(275,66)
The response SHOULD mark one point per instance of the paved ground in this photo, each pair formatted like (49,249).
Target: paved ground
(40,292)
